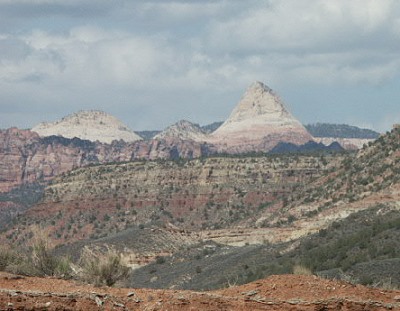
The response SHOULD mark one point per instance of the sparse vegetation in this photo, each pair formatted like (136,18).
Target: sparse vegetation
(100,268)
(42,257)
(36,260)
(301,270)
(7,257)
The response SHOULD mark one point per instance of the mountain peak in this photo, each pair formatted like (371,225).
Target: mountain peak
(260,117)
(259,85)
(259,101)
(92,125)
(184,130)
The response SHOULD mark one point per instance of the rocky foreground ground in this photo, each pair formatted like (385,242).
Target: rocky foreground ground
(285,292)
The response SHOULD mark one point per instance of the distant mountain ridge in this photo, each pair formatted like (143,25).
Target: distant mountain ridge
(340,131)
(322,130)
(309,147)
(257,124)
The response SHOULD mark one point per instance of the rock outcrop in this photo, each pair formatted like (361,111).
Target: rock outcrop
(90,125)
(258,123)
(183,130)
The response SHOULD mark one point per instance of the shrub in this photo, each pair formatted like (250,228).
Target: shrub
(40,260)
(42,257)
(7,257)
(23,267)
(63,268)
(301,270)
(36,260)
(102,269)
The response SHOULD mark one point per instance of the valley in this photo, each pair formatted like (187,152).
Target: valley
(201,209)
(220,220)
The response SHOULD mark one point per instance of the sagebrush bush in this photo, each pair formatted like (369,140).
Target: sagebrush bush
(100,268)
(42,255)
(301,270)
(7,257)
(37,259)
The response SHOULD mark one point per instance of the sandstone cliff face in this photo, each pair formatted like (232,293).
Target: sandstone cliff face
(258,123)
(25,157)
(90,125)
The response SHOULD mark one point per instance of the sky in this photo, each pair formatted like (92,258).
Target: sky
(153,63)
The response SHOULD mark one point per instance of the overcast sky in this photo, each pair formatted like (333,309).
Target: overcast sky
(152,63)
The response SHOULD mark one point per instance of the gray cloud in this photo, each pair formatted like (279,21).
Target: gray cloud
(155,62)
(71,8)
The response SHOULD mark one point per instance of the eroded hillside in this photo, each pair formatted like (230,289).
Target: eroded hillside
(212,193)
(359,182)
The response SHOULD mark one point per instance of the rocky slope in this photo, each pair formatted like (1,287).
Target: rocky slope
(258,123)
(344,224)
(90,125)
(363,248)
(359,182)
(373,172)
(183,130)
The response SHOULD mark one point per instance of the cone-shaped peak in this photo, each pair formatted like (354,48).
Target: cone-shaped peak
(259,119)
(259,101)
(259,85)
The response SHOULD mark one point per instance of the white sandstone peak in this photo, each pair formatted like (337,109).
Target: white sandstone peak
(260,117)
(259,102)
(92,125)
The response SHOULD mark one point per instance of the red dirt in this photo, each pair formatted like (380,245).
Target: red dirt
(286,292)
